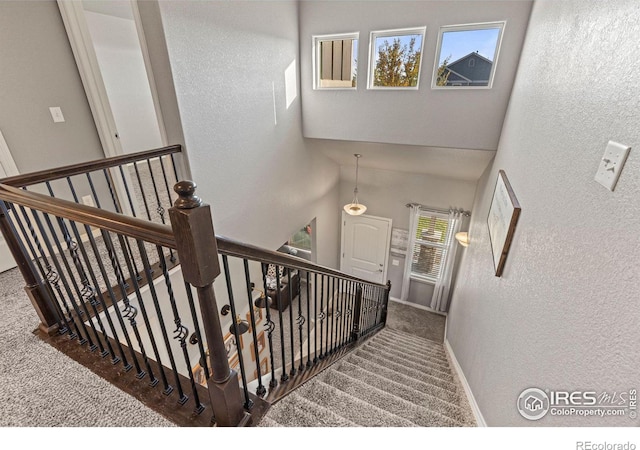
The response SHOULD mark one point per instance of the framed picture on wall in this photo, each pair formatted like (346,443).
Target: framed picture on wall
(264,368)
(230,345)
(503,217)
(261,346)
(257,313)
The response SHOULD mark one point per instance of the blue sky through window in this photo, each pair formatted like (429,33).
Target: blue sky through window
(404,40)
(457,44)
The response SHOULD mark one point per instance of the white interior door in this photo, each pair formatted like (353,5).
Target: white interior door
(7,168)
(365,247)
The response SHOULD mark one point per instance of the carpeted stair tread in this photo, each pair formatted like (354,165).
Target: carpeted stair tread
(297,411)
(412,338)
(393,375)
(384,343)
(417,415)
(352,408)
(396,342)
(425,361)
(398,389)
(268,422)
(411,369)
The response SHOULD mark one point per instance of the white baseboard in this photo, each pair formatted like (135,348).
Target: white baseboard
(465,384)
(415,305)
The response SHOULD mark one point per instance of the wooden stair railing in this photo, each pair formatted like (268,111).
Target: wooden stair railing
(77,259)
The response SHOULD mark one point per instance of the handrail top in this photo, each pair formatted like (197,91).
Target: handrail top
(88,215)
(85,167)
(231,247)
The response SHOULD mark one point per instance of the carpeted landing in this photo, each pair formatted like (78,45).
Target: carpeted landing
(394,380)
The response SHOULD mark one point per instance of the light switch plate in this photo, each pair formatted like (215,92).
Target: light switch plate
(56,114)
(611,164)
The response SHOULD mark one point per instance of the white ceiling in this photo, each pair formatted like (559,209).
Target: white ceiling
(461,164)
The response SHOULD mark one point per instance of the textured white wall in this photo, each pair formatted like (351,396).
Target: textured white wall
(38,71)
(455,119)
(565,313)
(246,149)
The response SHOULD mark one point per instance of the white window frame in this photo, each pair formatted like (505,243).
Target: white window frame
(316,39)
(501,25)
(444,247)
(373,52)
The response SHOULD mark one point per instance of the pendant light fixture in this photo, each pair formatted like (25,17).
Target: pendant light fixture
(355,208)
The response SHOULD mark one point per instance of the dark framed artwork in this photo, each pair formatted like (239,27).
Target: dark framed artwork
(503,217)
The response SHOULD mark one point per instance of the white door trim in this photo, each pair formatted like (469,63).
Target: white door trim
(74,21)
(6,160)
(79,36)
(147,64)
(387,248)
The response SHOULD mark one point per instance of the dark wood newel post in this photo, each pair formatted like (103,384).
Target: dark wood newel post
(36,292)
(385,305)
(357,310)
(196,244)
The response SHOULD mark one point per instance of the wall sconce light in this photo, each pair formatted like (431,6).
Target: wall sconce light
(243,326)
(263,301)
(463,238)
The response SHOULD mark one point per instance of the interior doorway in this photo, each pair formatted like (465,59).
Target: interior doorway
(365,247)
(110,50)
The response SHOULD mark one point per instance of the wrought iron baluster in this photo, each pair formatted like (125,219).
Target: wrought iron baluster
(166,184)
(175,169)
(91,291)
(142,193)
(197,331)
(260,390)
(284,376)
(315,315)
(333,315)
(248,403)
(126,189)
(168,389)
(269,327)
(116,203)
(181,335)
(291,333)
(65,282)
(161,160)
(350,317)
(338,316)
(87,292)
(40,258)
(309,363)
(300,320)
(131,312)
(322,315)
(331,290)
(128,311)
(96,199)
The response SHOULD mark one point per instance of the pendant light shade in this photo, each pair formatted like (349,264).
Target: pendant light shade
(355,208)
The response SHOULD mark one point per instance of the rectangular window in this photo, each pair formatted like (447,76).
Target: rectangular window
(335,61)
(429,251)
(395,58)
(467,55)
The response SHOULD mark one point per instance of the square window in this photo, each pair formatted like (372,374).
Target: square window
(395,58)
(467,55)
(336,61)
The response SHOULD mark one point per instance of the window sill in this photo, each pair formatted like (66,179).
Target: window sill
(422,280)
